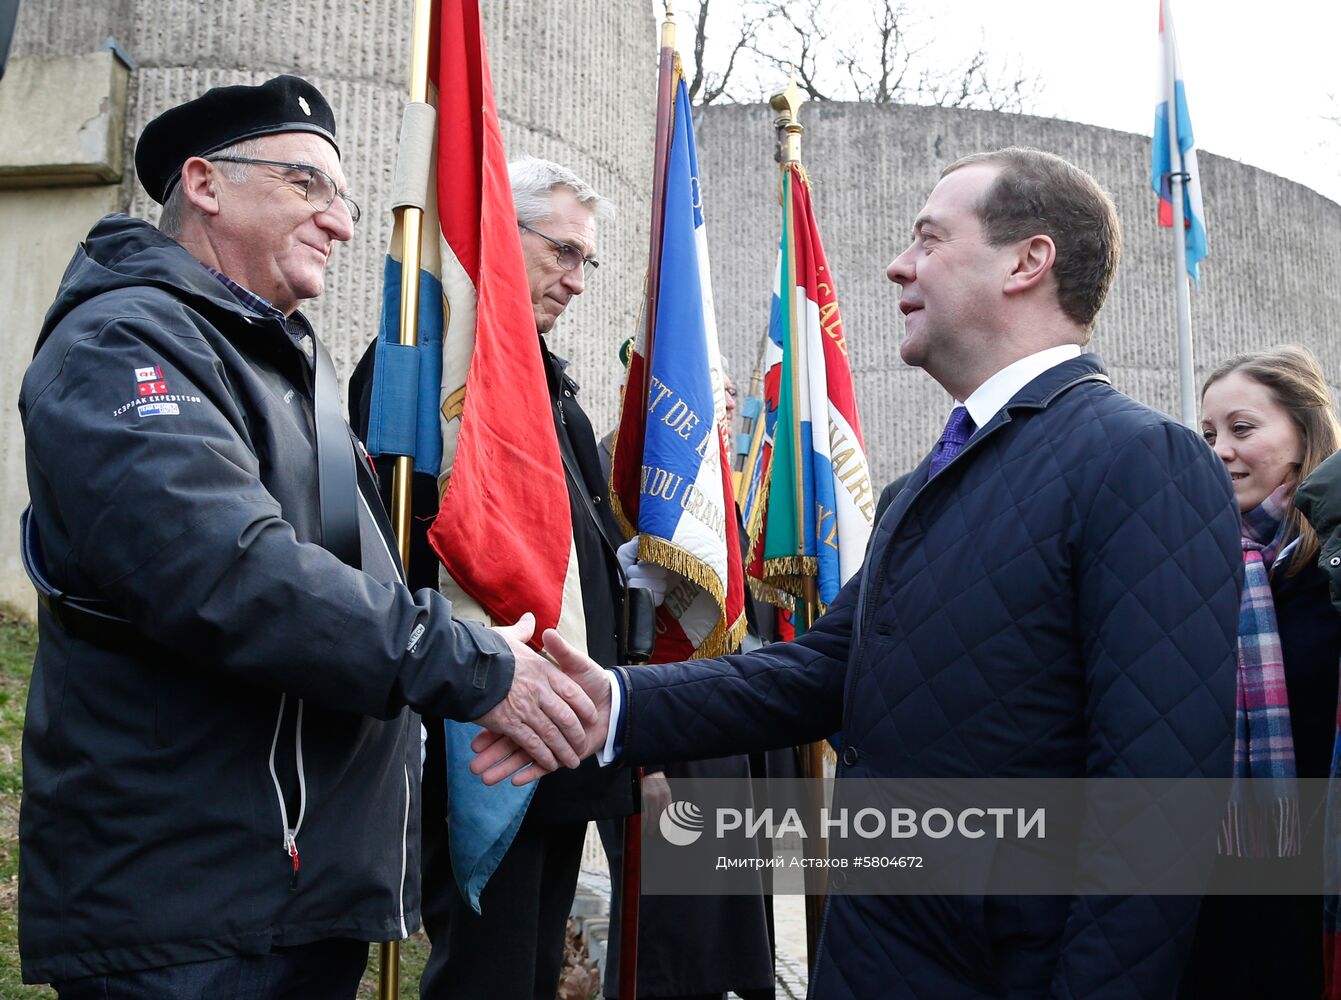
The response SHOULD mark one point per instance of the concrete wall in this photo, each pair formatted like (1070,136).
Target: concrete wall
(38,230)
(54,183)
(1271,277)
(575,83)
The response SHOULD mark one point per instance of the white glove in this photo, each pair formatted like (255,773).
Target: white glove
(649,576)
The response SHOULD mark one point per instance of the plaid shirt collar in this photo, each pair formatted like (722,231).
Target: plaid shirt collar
(249,299)
(296,329)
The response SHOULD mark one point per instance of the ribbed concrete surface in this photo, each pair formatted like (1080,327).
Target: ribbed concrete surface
(1271,277)
(574,82)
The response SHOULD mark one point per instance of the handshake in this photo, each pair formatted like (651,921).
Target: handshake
(556,713)
(553,716)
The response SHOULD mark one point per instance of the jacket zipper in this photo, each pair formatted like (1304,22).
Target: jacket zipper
(290,842)
(404,850)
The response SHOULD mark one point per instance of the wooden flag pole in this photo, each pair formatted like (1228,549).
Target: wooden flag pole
(661,159)
(788,128)
(411,220)
(756,432)
(631,870)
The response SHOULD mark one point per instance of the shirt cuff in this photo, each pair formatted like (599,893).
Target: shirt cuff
(611,749)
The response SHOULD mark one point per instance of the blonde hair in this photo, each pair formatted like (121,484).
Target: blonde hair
(1296,382)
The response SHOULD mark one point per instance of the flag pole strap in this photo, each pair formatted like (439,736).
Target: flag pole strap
(411,221)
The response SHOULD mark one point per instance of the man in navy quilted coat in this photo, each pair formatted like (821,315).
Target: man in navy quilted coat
(1053,592)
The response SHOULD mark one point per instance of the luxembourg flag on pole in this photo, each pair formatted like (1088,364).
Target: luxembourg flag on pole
(470,404)
(1194,215)
(670,476)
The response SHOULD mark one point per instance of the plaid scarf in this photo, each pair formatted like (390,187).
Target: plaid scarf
(1262,819)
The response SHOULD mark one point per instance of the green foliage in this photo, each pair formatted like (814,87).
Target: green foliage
(18,641)
(413,955)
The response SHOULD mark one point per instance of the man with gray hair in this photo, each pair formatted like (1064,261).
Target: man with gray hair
(513,948)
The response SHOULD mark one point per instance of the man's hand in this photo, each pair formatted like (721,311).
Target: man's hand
(499,754)
(545,715)
(648,576)
(656,794)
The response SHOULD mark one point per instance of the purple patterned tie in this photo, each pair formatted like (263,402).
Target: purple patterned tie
(958,429)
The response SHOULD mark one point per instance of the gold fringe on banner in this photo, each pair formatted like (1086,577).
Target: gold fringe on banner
(724,637)
(762,591)
(789,572)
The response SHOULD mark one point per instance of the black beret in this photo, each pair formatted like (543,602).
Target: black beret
(222,116)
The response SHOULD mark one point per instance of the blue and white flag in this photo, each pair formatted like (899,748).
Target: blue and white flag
(1194,214)
(670,477)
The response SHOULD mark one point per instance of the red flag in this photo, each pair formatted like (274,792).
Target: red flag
(503,529)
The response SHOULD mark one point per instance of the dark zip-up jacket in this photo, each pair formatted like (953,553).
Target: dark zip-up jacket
(1319,499)
(244,773)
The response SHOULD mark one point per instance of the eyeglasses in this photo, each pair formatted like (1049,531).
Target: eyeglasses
(569,255)
(319,186)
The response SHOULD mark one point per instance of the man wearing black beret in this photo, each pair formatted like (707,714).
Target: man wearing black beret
(222,745)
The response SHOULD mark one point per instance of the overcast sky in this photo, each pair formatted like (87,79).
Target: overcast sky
(1261,79)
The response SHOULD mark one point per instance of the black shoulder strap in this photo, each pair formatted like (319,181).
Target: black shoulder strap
(336,483)
(576,482)
(90,618)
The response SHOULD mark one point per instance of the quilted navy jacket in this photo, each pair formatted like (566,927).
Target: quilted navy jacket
(1061,601)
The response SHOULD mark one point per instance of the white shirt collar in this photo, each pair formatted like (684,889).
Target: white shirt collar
(986,400)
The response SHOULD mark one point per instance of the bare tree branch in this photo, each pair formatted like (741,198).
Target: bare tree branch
(700,38)
(706,86)
(882,56)
(718,87)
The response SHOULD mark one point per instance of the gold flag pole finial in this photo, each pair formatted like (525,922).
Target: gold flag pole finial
(788,123)
(668,26)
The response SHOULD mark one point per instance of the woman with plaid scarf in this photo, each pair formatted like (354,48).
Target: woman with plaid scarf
(1269,416)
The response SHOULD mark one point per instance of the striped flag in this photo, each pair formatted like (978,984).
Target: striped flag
(670,477)
(1194,214)
(809,500)
(471,405)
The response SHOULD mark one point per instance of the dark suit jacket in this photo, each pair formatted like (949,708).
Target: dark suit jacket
(1061,601)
